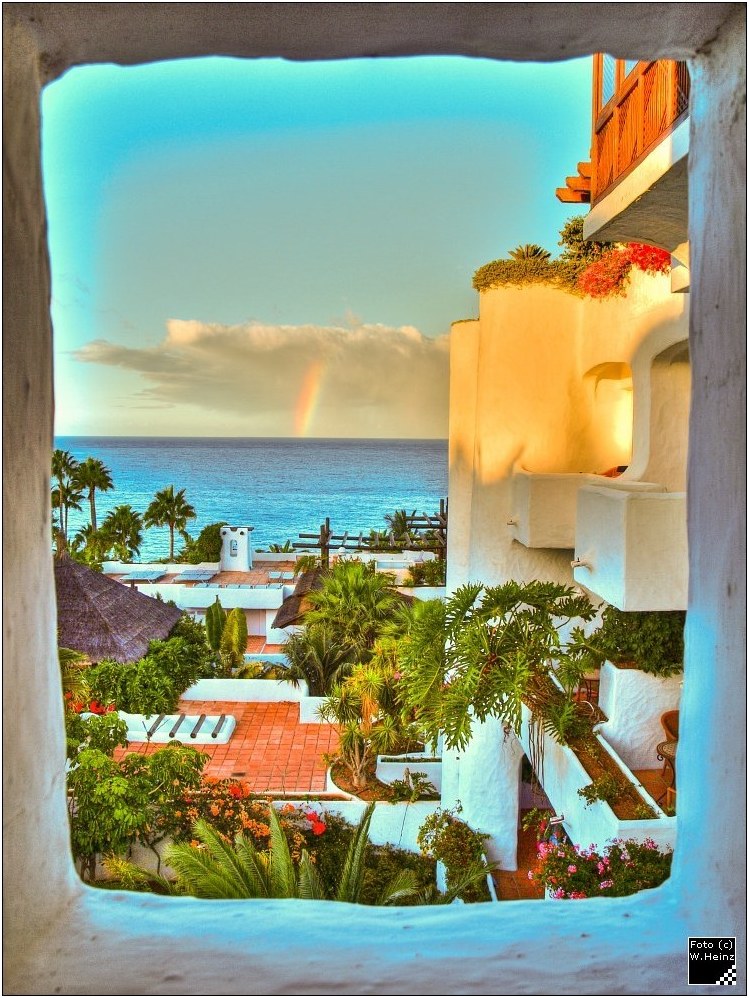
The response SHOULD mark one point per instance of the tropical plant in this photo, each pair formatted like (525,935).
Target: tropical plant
(66,493)
(90,475)
(122,532)
(356,604)
(397,522)
(215,619)
(317,658)
(306,563)
(414,786)
(605,788)
(447,838)
(577,250)
(89,547)
(653,640)
(622,868)
(234,639)
(281,548)
(73,666)
(427,573)
(365,710)
(111,804)
(169,509)
(205,547)
(104,732)
(500,647)
(220,870)
(530,251)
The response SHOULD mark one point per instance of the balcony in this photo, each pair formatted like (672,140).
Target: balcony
(631,546)
(544,507)
(648,101)
(636,181)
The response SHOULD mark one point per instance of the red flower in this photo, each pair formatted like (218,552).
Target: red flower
(651,259)
(318,827)
(235,791)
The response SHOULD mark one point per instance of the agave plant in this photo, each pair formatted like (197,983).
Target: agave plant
(530,251)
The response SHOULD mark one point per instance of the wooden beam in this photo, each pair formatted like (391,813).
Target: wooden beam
(578,183)
(567,196)
(585,170)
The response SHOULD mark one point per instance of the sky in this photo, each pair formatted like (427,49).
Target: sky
(269,248)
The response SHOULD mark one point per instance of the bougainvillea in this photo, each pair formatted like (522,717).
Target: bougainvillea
(651,259)
(621,868)
(609,275)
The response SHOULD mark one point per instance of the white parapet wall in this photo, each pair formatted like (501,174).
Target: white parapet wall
(563,775)
(633,702)
(544,506)
(391,768)
(392,824)
(631,547)
(246,690)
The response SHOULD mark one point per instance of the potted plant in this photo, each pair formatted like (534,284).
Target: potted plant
(640,679)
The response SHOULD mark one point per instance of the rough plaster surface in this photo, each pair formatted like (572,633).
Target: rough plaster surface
(526,399)
(633,701)
(64,938)
(489,788)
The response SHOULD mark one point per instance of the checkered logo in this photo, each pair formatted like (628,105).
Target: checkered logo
(712,960)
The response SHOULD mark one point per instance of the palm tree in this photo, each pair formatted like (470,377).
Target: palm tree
(89,546)
(73,665)
(122,531)
(220,870)
(398,523)
(356,604)
(316,657)
(66,494)
(93,474)
(169,509)
(530,251)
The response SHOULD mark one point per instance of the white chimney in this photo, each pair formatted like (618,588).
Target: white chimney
(236,549)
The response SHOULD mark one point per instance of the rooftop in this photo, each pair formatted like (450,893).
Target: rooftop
(269,749)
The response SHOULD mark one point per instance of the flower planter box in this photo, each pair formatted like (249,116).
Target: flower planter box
(246,690)
(633,702)
(563,775)
(391,768)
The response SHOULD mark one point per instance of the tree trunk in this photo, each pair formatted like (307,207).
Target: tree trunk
(92,500)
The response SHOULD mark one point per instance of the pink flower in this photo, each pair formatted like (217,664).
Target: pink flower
(558,893)
(605,883)
(601,868)
(571,868)
(530,874)
(576,895)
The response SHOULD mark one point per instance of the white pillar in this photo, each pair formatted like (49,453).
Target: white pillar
(490,788)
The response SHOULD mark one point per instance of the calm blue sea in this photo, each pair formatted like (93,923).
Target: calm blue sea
(278,486)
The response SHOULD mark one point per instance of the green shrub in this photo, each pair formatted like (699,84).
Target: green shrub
(104,732)
(652,640)
(447,838)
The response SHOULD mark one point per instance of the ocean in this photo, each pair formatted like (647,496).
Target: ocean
(281,487)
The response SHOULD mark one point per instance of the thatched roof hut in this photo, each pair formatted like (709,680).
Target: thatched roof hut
(294,607)
(105,619)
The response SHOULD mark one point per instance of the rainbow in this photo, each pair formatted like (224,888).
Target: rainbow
(309,395)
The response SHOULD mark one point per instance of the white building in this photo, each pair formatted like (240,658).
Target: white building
(64,937)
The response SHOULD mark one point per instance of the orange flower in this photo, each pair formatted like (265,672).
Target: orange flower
(215,809)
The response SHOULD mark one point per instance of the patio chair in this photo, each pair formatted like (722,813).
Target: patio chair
(670,725)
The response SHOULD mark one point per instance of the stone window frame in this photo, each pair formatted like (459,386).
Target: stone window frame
(63,937)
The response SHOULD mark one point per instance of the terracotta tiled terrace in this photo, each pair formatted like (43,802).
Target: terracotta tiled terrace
(269,748)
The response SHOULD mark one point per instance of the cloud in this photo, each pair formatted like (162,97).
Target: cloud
(372,380)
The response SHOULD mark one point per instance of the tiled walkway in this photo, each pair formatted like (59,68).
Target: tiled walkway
(269,748)
(515,885)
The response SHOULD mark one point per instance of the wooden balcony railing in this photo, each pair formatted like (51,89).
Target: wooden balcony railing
(647,104)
